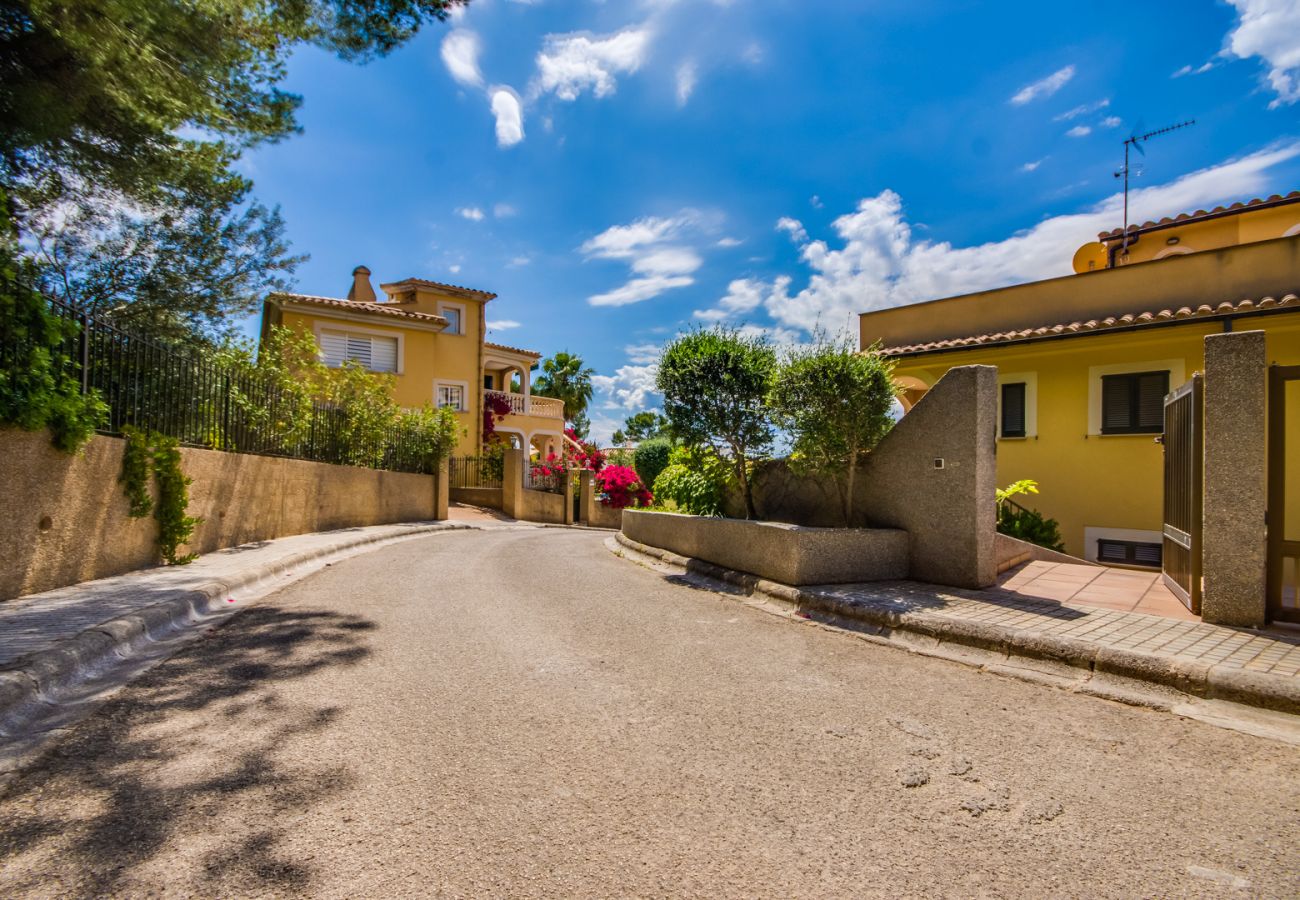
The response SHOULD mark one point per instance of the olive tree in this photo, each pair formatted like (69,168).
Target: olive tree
(715,384)
(836,404)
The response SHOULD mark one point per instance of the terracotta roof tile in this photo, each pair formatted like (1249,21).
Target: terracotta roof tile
(1138,320)
(1275,199)
(424,282)
(532,353)
(383,309)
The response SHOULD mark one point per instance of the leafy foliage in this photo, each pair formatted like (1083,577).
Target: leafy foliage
(715,384)
(495,408)
(174,526)
(136,459)
(1027,524)
(690,491)
(38,387)
(619,487)
(565,378)
(651,457)
(835,402)
(641,427)
(430,433)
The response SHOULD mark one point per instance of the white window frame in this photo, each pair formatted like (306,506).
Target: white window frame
(464,393)
(1030,381)
(1092,534)
(460,308)
(319,326)
(1177,369)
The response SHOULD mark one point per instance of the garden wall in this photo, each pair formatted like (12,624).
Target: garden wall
(66,515)
(489,498)
(934,476)
(593,512)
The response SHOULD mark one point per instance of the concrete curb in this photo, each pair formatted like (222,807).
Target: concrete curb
(32,685)
(993,642)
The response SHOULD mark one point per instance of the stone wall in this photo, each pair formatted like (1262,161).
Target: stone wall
(934,476)
(66,515)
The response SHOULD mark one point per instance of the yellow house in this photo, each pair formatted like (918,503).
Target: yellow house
(1085,361)
(432,338)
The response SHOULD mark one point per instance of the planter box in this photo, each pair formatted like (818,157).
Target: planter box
(790,554)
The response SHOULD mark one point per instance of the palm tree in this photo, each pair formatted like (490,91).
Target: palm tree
(566,379)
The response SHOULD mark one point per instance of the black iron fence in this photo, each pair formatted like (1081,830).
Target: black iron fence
(475,471)
(204,402)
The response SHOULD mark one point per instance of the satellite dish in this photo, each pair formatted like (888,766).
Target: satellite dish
(1091,257)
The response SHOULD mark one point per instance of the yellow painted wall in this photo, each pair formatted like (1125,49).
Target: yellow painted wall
(1227,231)
(1105,481)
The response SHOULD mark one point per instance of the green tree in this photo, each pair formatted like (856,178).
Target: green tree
(650,458)
(835,402)
(715,384)
(641,427)
(565,378)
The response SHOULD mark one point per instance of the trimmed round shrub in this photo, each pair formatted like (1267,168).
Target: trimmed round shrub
(651,458)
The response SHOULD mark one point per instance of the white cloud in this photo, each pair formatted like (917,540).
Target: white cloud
(1079,131)
(1082,110)
(1043,88)
(880,264)
(1033,165)
(642,354)
(1111,122)
(1270,29)
(629,388)
(517,261)
(1199,70)
(815,202)
(502,324)
(503,210)
(687,75)
(730,242)
(793,227)
(473,213)
(509,115)
(460,50)
(454,269)
(654,250)
(569,64)
(743,295)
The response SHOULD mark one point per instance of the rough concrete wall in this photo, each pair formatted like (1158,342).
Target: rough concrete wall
(540,506)
(1235,496)
(790,554)
(593,512)
(949,511)
(66,516)
(486,497)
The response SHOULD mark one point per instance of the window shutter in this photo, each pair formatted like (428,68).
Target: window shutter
(1116,403)
(383,354)
(1151,390)
(1013,410)
(359,349)
(334,347)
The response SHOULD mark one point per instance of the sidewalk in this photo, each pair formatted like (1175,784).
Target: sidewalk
(1050,640)
(62,649)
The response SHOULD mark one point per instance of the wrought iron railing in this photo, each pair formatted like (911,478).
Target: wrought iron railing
(544,478)
(474,471)
(203,402)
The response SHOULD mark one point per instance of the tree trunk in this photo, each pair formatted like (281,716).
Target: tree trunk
(746,488)
(848,496)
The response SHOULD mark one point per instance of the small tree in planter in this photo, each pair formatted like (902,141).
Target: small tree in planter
(715,384)
(836,402)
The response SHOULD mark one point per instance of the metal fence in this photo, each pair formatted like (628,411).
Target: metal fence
(202,402)
(475,471)
(538,478)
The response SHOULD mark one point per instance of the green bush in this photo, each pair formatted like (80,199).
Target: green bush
(690,491)
(39,387)
(1032,526)
(650,458)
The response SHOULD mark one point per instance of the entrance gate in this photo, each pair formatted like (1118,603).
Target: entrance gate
(1184,443)
(1283,576)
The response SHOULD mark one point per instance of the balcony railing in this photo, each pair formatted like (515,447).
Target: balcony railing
(546,407)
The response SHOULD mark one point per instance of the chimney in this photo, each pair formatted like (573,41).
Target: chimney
(361,291)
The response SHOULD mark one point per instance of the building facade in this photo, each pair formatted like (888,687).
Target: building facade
(432,338)
(1085,361)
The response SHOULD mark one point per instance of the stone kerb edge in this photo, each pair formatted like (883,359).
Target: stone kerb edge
(1187,676)
(31,682)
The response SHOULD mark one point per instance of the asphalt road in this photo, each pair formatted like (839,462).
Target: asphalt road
(518,712)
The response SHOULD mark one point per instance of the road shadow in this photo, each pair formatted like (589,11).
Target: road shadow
(192,742)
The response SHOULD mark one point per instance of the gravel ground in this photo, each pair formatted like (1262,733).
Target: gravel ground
(517,712)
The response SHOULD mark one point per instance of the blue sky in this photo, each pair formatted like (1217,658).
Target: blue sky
(620,171)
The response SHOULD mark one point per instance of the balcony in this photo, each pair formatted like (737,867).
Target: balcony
(545,407)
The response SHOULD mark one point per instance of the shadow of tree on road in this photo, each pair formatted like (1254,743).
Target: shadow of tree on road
(193,744)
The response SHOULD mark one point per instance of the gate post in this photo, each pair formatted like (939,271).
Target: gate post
(441,490)
(1233,548)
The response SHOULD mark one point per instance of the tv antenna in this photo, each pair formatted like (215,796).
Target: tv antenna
(1135,141)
